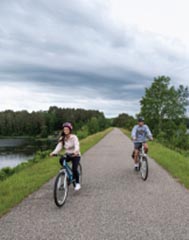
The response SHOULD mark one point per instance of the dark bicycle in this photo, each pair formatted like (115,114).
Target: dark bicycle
(63,181)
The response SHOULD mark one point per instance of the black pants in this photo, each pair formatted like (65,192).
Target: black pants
(75,163)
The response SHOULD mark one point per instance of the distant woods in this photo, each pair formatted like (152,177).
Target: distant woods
(45,123)
(163,107)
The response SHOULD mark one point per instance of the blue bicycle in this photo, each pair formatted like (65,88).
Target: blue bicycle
(63,181)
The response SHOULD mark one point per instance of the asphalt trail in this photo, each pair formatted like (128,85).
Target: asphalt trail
(114,202)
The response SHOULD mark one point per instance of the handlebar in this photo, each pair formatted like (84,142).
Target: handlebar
(66,155)
(146,140)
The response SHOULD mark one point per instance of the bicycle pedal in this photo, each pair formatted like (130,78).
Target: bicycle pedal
(136,169)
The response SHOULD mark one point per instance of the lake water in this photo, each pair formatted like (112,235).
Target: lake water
(15,151)
(12,160)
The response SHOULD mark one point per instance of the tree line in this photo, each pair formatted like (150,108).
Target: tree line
(163,107)
(44,123)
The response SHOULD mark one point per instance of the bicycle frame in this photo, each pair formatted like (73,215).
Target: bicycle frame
(68,170)
(141,151)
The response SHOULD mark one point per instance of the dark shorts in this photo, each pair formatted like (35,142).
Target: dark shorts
(137,146)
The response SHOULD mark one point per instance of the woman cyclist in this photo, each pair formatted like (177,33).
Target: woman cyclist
(70,143)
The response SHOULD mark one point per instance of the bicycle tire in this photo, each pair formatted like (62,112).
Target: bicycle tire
(139,164)
(60,189)
(144,168)
(80,173)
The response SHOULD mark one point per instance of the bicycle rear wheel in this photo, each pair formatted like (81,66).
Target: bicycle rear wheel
(60,189)
(144,168)
(80,173)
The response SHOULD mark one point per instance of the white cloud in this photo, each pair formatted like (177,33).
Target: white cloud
(102,53)
(35,98)
(168,18)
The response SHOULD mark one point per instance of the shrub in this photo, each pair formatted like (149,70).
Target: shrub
(5,172)
(2,175)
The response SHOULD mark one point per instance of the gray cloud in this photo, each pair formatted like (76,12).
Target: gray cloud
(75,46)
(118,83)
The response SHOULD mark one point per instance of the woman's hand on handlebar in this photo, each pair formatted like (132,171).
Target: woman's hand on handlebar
(52,155)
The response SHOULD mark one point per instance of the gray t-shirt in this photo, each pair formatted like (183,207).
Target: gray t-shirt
(141,133)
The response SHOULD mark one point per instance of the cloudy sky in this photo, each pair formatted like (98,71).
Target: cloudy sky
(89,54)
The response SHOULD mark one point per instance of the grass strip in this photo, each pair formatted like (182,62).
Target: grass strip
(175,163)
(18,186)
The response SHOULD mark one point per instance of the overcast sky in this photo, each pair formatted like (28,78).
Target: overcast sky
(91,54)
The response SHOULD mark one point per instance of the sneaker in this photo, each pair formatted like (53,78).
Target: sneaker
(136,167)
(77,187)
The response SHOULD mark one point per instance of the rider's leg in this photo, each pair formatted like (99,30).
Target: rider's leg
(61,161)
(75,162)
(136,153)
(145,147)
(136,156)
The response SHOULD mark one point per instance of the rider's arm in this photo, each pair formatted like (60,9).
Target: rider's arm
(58,148)
(149,134)
(133,133)
(76,146)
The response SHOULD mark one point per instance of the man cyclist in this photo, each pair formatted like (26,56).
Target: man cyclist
(139,134)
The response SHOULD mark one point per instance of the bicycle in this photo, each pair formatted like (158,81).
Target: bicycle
(63,181)
(143,162)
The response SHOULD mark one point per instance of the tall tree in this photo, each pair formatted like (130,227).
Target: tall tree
(93,125)
(163,102)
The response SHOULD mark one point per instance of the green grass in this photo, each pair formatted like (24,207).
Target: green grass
(175,163)
(18,186)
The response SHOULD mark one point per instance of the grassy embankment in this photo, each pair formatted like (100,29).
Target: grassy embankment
(174,162)
(18,186)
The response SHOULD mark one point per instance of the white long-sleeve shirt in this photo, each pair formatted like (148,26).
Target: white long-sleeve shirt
(71,145)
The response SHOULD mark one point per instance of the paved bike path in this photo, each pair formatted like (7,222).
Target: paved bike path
(114,203)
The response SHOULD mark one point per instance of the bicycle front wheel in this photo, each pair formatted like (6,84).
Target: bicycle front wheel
(60,189)
(144,168)
(80,173)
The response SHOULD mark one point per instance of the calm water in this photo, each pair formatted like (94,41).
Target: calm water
(16,151)
(12,160)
